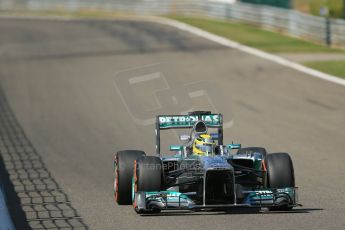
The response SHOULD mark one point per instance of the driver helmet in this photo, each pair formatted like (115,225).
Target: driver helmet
(204,145)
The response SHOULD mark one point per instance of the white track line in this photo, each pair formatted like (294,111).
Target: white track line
(235,45)
(207,35)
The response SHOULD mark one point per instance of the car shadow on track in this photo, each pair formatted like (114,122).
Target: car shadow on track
(232,212)
(299,210)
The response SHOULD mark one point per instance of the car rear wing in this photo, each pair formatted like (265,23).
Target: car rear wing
(188,121)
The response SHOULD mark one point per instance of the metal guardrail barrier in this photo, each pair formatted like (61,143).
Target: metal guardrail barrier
(318,29)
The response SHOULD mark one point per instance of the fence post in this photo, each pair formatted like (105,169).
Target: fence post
(328,31)
(228,11)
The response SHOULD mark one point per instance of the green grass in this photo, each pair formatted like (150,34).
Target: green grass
(336,68)
(268,41)
(253,36)
(302,5)
(313,7)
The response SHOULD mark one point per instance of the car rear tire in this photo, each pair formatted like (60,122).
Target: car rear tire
(250,150)
(123,167)
(280,174)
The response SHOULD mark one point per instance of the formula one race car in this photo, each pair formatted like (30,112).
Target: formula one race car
(203,174)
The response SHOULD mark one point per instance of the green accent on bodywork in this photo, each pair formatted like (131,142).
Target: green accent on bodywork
(176,147)
(185,121)
(165,192)
(268,193)
(133,193)
(233,146)
(291,191)
(168,194)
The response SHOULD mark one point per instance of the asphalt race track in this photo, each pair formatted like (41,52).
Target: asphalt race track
(78,91)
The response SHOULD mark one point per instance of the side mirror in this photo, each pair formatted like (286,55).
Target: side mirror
(184,137)
(176,147)
(234,146)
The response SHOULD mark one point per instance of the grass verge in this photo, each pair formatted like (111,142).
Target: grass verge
(272,42)
(336,68)
(255,37)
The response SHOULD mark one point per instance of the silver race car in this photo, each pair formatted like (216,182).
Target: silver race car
(203,173)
